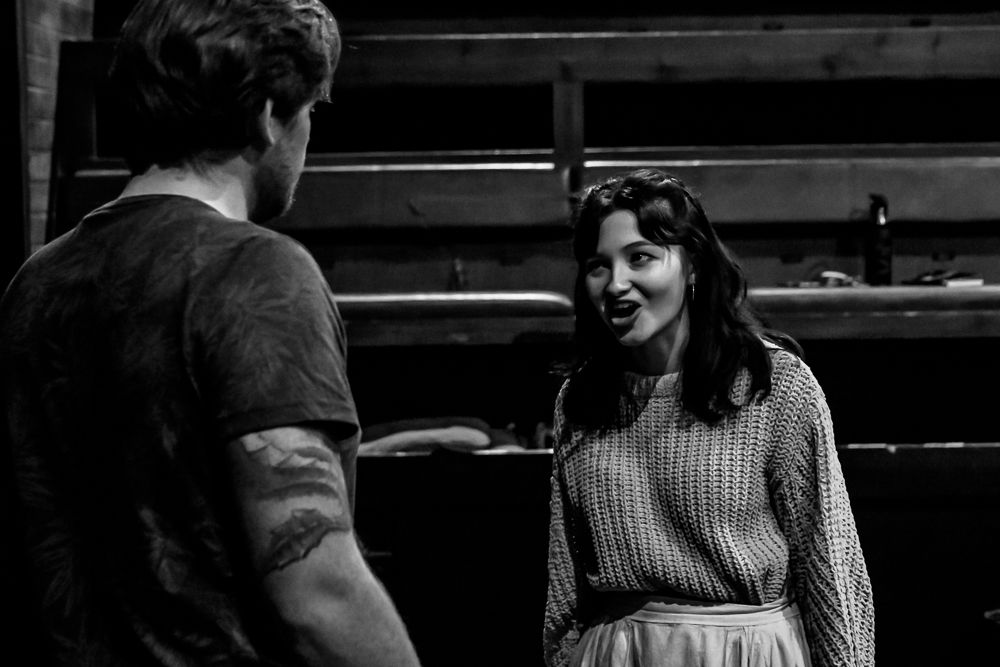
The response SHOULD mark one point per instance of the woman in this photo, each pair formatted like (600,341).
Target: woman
(699,513)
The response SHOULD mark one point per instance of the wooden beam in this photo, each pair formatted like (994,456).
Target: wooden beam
(804,185)
(826,186)
(430,195)
(881,312)
(638,21)
(805,313)
(816,54)
(568,119)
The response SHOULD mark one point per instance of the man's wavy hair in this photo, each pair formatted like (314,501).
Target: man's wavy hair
(725,333)
(193,75)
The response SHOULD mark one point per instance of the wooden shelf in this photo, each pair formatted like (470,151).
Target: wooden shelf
(456,318)
(939,183)
(437,192)
(805,313)
(882,312)
(784,184)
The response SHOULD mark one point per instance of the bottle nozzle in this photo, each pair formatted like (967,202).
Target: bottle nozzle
(879,208)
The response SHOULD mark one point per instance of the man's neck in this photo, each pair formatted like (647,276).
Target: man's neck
(223,187)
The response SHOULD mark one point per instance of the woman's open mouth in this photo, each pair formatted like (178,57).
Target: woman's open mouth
(620,313)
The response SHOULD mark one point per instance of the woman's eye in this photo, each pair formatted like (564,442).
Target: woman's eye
(640,257)
(594,266)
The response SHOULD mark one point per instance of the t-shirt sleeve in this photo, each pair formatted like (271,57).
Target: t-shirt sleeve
(267,347)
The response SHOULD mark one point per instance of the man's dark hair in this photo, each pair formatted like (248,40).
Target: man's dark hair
(193,75)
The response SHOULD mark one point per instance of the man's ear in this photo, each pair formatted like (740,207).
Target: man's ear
(266,127)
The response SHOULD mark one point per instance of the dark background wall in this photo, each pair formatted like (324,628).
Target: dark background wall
(14,232)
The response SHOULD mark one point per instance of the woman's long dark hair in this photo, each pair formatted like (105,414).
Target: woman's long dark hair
(725,334)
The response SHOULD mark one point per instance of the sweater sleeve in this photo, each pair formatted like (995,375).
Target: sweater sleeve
(828,573)
(562,627)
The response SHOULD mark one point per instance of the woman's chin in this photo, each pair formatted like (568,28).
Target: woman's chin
(630,338)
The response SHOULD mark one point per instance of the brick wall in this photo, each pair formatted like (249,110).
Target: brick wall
(47,24)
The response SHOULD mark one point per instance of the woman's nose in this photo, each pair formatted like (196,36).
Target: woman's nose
(620,282)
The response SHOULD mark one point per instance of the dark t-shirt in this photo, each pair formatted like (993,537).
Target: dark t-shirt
(132,349)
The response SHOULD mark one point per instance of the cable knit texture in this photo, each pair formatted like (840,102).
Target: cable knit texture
(730,512)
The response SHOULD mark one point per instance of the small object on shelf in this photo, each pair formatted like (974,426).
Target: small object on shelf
(878,245)
(828,279)
(837,279)
(946,278)
(455,438)
(963,281)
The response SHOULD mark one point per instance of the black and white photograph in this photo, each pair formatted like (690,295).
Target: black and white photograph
(523,334)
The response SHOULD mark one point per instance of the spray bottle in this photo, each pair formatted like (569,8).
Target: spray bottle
(878,243)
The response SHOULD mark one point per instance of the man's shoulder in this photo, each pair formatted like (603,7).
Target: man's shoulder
(169,220)
(258,246)
(243,258)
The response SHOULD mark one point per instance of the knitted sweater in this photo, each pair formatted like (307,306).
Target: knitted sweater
(729,512)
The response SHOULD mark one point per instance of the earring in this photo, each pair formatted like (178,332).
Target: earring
(691,285)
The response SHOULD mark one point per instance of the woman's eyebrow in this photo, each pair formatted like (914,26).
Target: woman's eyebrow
(640,244)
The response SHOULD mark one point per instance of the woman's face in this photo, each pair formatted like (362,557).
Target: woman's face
(638,289)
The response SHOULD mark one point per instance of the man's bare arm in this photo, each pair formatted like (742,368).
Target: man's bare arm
(294,503)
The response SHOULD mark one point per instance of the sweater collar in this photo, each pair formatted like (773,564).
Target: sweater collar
(651,385)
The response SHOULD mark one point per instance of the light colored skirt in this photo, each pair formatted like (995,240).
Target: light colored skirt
(648,631)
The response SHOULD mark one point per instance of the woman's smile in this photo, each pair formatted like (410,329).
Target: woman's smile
(621,313)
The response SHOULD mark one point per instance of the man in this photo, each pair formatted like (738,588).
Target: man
(173,375)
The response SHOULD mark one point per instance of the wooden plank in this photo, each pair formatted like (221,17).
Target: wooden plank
(900,473)
(881,312)
(964,51)
(806,313)
(567,116)
(735,187)
(829,189)
(887,325)
(873,300)
(370,196)
(638,21)
(432,195)
(458,331)
(419,305)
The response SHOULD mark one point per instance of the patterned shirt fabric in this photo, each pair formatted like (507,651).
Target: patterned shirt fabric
(739,511)
(132,349)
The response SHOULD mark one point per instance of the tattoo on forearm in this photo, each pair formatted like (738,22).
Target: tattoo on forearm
(299,486)
(295,538)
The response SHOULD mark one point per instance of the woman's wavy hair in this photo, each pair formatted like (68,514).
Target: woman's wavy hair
(725,333)
(192,76)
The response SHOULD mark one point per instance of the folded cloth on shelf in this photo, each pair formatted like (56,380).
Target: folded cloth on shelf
(456,438)
(382,429)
